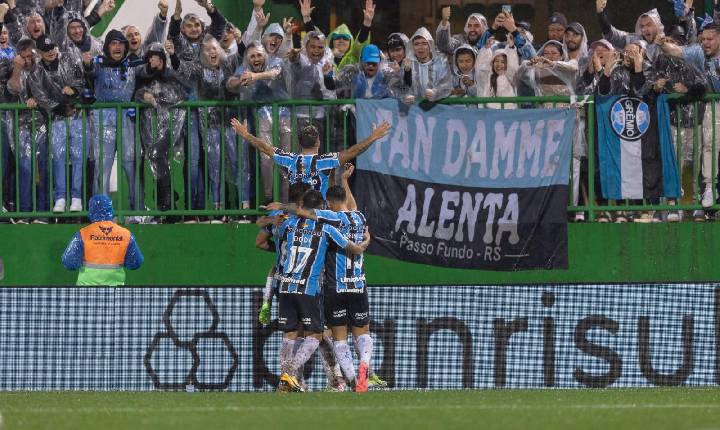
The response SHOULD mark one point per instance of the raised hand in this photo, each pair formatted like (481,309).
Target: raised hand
(262,19)
(4,8)
(509,22)
(306,10)
(600,5)
(446,14)
(178,10)
(287,25)
(368,13)
(349,170)
(241,128)
(170,47)
(163,6)
(258,4)
(380,131)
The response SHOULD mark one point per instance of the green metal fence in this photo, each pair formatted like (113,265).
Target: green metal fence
(27,154)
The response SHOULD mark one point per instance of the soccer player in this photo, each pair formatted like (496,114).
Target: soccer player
(308,166)
(345,300)
(305,243)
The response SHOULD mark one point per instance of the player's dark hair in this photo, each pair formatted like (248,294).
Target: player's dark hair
(336,194)
(309,136)
(297,190)
(714,27)
(312,200)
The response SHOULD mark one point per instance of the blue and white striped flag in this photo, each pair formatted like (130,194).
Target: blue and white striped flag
(636,155)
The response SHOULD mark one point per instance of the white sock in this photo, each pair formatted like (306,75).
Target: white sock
(328,359)
(306,351)
(364,346)
(286,354)
(301,370)
(344,358)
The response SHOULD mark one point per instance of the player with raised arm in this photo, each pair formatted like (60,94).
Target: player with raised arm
(305,244)
(308,166)
(345,295)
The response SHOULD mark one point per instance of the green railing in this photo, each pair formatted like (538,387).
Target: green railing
(232,180)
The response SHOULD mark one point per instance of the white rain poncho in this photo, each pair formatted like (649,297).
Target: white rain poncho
(556,79)
(492,85)
(307,77)
(447,44)
(432,75)
(458,75)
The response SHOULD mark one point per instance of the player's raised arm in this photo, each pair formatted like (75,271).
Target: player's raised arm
(349,169)
(241,129)
(354,151)
(291,208)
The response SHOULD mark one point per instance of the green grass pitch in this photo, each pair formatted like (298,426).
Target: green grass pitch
(615,409)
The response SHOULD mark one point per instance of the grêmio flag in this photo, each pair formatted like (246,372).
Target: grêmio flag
(635,148)
(467,188)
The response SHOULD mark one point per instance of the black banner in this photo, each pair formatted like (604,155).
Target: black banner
(463,227)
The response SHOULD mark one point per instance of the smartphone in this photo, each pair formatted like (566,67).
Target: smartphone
(507,9)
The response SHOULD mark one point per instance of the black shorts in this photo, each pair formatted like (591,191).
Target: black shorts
(295,309)
(343,309)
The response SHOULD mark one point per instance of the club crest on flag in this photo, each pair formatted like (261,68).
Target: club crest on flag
(630,118)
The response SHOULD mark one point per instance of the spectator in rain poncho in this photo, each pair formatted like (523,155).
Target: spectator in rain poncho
(155,34)
(159,87)
(576,45)
(464,72)
(551,73)
(431,75)
(57,83)
(262,80)
(33,27)
(648,28)
(475,26)
(496,74)
(398,64)
(188,33)
(113,76)
(209,76)
(77,39)
(366,80)
(31,163)
(307,78)
(612,73)
(504,31)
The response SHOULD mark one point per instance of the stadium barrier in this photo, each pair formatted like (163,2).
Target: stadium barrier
(433,337)
(193,122)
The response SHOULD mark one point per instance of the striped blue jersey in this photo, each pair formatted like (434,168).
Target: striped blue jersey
(345,273)
(309,169)
(304,245)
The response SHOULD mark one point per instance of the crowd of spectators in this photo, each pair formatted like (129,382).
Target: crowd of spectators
(51,63)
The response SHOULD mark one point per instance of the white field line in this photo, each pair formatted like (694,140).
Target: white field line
(359,408)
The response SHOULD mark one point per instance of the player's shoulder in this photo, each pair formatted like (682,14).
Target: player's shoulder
(285,154)
(329,156)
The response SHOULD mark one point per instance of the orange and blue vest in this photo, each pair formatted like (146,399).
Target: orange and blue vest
(105,245)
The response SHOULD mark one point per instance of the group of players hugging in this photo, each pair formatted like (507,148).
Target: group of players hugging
(318,237)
